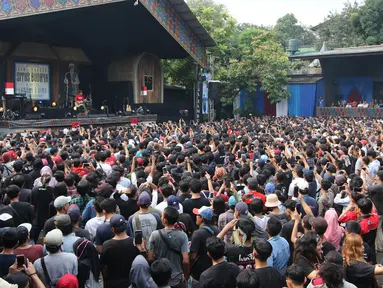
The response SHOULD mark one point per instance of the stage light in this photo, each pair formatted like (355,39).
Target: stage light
(35,108)
(54,104)
(68,115)
(75,108)
(42,115)
(102,107)
(1,109)
(119,113)
(135,3)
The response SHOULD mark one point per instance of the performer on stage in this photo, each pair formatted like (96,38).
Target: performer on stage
(71,82)
(79,99)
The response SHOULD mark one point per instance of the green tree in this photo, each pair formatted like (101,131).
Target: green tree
(222,28)
(341,30)
(265,62)
(368,21)
(287,28)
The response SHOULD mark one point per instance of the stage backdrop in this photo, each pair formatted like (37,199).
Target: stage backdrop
(33,79)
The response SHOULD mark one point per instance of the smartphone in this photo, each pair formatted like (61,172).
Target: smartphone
(227,183)
(86,165)
(138,237)
(164,170)
(243,157)
(21,261)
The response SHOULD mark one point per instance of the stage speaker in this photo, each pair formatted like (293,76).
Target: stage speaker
(214,90)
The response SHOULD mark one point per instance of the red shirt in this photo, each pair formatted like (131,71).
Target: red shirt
(369,223)
(81,171)
(349,216)
(256,195)
(79,98)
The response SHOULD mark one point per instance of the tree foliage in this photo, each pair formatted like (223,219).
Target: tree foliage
(343,29)
(245,56)
(287,28)
(263,61)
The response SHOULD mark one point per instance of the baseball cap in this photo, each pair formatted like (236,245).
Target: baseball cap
(18,165)
(270,188)
(144,199)
(54,238)
(173,201)
(307,172)
(264,158)
(63,220)
(242,208)
(61,201)
(26,225)
(205,212)
(340,180)
(302,184)
(117,221)
(364,142)
(232,201)
(74,213)
(67,281)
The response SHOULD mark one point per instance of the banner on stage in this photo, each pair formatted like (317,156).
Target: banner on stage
(33,80)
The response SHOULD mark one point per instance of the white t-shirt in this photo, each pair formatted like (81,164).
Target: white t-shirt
(161,207)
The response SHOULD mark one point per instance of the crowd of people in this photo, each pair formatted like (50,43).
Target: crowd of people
(253,202)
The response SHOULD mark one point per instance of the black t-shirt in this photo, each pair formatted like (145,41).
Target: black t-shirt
(222,275)
(183,197)
(360,274)
(191,203)
(242,256)
(103,234)
(118,256)
(127,208)
(6,261)
(219,158)
(198,245)
(286,232)
(376,196)
(281,187)
(82,233)
(270,277)
(305,264)
(40,199)
(22,212)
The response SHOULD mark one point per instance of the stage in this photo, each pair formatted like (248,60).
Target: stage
(349,112)
(95,119)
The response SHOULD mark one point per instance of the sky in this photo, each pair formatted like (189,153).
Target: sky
(267,12)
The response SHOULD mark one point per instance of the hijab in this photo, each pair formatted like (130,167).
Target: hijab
(88,260)
(140,274)
(334,232)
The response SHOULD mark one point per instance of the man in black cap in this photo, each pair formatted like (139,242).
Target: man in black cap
(118,254)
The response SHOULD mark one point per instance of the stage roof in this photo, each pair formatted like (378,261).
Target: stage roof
(118,27)
(342,52)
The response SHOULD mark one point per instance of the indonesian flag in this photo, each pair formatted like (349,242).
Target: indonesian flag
(9,88)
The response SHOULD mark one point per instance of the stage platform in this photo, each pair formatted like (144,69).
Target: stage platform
(96,120)
(349,112)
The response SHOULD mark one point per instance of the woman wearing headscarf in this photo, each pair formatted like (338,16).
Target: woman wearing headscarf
(334,232)
(88,263)
(46,170)
(140,274)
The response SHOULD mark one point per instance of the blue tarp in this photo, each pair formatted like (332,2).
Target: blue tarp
(302,100)
(257,99)
(364,84)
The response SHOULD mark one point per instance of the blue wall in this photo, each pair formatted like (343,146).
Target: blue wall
(257,99)
(320,91)
(364,84)
(302,99)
